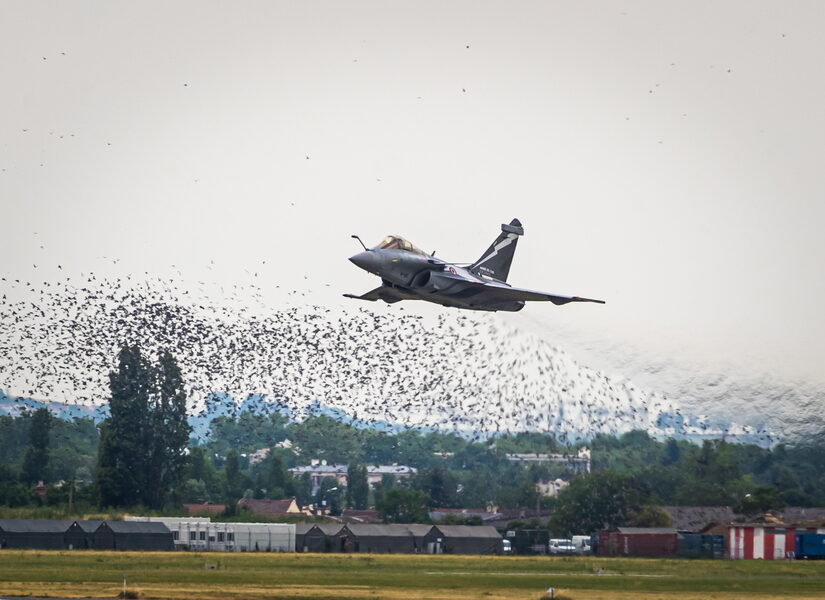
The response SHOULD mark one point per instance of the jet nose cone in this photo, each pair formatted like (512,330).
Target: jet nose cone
(366,260)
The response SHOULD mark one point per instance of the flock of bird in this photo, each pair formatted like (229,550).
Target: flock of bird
(457,372)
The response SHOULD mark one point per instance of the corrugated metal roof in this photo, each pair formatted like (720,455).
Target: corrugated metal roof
(137,527)
(89,526)
(474,531)
(695,518)
(419,530)
(167,520)
(276,528)
(799,513)
(361,516)
(650,530)
(330,528)
(34,525)
(375,530)
(441,513)
(302,528)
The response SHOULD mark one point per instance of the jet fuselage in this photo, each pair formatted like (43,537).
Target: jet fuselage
(408,273)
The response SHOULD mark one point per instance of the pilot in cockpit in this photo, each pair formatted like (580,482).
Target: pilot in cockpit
(396,242)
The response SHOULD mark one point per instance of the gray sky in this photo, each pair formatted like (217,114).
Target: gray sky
(664,156)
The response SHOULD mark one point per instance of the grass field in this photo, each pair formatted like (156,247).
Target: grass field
(210,576)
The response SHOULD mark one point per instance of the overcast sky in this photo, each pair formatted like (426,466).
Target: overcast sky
(664,156)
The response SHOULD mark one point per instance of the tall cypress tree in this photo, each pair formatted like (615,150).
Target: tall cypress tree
(276,479)
(36,459)
(357,486)
(303,489)
(169,433)
(125,448)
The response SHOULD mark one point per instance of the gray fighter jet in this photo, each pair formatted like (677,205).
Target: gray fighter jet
(408,273)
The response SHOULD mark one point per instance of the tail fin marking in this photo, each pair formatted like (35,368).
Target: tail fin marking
(496,261)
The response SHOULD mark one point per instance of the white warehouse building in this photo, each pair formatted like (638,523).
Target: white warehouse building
(200,533)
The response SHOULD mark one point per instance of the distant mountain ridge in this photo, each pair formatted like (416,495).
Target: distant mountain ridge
(14,406)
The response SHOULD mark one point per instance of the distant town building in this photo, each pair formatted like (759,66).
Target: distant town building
(270,509)
(259,456)
(318,470)
(579,462)
(204,508)
(551,489)
(352,515)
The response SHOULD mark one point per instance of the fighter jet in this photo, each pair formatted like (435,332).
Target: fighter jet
(408,273)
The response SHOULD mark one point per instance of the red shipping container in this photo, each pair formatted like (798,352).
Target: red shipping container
(638,541)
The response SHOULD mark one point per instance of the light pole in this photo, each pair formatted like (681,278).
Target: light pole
(324,495)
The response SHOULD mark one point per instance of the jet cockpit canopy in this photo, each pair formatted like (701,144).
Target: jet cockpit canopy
(396,242)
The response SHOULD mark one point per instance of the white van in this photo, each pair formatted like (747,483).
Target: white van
(561,546)
(582,544)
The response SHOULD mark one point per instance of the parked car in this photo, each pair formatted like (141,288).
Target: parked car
(561,546)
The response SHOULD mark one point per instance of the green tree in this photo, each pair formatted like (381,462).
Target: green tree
(198,463)
(73,449)
(672,452)
(303,489)
(125,443)
(233,481)
(664,482)
(403,505)
(275,479)
(603,500)
(169,433)
(387,482)
(762,499)
(649,516)
(203,471)
(329,495)
(247,432)
(717,462)
(12,492)
(324,437)
(439,484)
(358,489)
(14,436)
(36,460)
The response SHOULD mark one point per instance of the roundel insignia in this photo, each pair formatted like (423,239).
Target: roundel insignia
(452,270)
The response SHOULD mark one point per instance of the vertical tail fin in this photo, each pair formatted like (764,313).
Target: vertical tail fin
(496,261)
